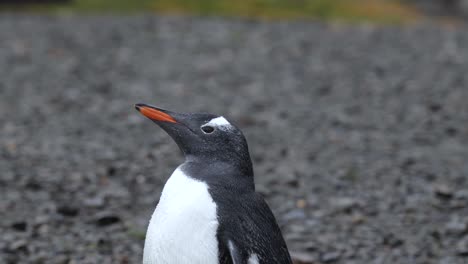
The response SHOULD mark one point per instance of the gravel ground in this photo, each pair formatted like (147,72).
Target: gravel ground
(358,133)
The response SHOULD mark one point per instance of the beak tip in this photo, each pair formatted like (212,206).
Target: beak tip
(139,106)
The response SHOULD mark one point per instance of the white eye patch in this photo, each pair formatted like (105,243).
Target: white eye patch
(219,122)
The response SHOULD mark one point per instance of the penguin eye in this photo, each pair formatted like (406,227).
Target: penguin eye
(207,129)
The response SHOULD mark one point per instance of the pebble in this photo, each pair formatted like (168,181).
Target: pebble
(303,258)
(106,219)
(330,257)
(443,191)
(68,210)
(462,247)
(95,202)
(456,226)
(344,204)
(19,245)
(19,226)
(295,214)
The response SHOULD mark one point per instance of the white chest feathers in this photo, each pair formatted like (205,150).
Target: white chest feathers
(183,226)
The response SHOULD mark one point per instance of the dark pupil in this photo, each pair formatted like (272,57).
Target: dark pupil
(208,129)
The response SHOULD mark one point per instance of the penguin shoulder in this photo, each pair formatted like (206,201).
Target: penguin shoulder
(249,231)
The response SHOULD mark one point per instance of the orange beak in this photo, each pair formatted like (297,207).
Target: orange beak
(154,114)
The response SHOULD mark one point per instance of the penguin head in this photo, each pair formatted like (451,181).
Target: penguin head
(200,135)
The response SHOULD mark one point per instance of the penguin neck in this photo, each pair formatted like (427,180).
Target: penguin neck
(237,165)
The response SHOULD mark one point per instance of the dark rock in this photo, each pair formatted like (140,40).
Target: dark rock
(435,107)
(111,171)
(33,185)
(451,131)
(392,240)
(67,210)
(20,226)
(107,219)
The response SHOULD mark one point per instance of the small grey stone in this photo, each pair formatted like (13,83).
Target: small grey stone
(456,226)
(462,247)
(392,240)
(19,245)
(95,202)
(344,204)
(462,195)
(303,258)
(330,257)
(443,191)
(295,214)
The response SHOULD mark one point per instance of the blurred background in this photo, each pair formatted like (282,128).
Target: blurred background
(363,10)
(356,115)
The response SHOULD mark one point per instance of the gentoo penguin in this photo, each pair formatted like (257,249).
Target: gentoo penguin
(209,212)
